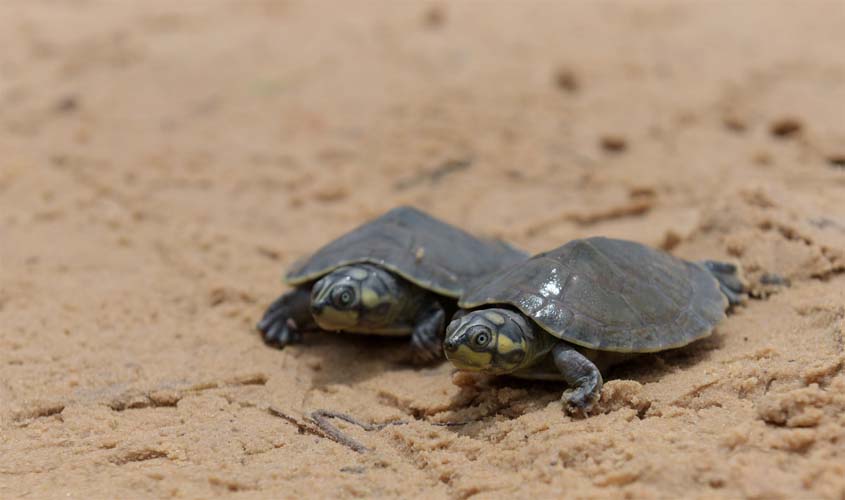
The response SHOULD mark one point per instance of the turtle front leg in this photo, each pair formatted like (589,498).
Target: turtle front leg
(427,337)
(728,277)
(286,317)
(582,376)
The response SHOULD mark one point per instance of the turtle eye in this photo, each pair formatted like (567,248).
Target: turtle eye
(343,297)
(480,338)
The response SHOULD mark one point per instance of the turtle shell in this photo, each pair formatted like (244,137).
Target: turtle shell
(426,251)
(609,295)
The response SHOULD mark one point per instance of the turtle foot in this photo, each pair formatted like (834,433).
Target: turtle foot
(421,356)
(578,401)
(279,326)
(280,333)
(582,376)
(729,281)
(427,337)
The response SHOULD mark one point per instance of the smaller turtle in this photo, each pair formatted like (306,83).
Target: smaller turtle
(570,313)
(399,274)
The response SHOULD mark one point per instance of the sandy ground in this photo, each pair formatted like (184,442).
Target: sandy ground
(163,162)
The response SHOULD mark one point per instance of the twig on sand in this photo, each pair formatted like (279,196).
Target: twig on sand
(322,415)
(303,428)
(325,429)
(321,418)
(320,427)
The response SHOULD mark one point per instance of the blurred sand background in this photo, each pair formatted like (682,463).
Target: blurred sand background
(161,163)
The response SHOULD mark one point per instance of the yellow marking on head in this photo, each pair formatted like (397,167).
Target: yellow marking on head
(331,318)
(506,345)
(467,359)
(495,318)
(369,298)
(323,295)
(358,274)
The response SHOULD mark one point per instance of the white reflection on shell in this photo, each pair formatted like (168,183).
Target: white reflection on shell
(532,302)
(551,286)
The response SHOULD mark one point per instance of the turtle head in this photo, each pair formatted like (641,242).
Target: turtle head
(493,341)
(359,296)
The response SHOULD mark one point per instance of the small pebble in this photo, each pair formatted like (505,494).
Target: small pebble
(785,128)
(613,143)
(566,79)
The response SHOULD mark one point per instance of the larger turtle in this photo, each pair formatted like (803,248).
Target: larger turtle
(396,275)
(571,312)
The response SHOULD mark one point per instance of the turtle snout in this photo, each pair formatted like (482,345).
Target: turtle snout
(451,344)
(316,308)
(453,339)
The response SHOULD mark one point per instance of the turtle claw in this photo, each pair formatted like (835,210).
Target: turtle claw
(579,401)
(421,355)
(284,319)
(427,337)
(281,333)
(582,376)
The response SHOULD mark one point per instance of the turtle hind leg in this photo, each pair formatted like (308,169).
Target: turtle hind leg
(728,277)
(582,376)
(286,317)
(427,337)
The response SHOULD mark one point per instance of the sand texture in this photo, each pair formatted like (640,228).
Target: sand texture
(162,163)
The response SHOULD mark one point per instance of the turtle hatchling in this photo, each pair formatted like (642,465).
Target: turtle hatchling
(571,312)
(396,275)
